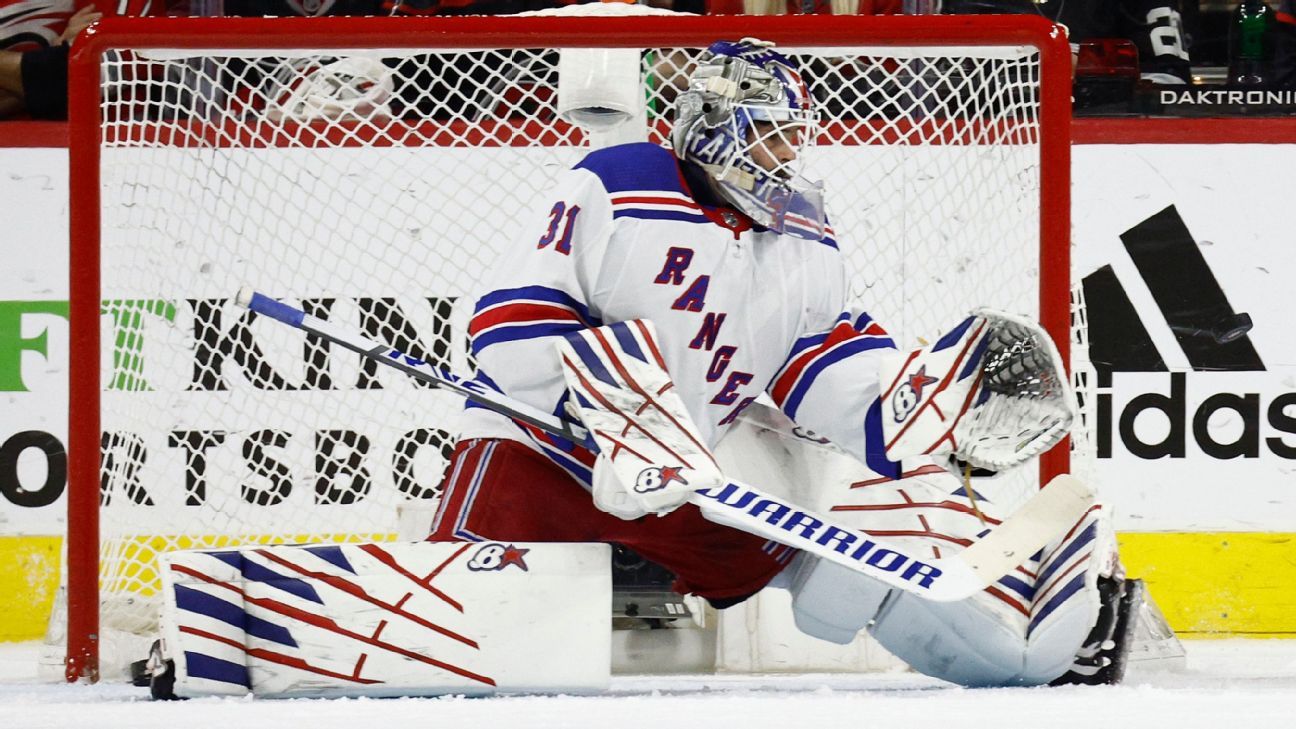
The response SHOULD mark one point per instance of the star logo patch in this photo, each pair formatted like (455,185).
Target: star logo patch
(513,555)
(909,394)
(494,557)
(657,478)
(672,473)
(919,380)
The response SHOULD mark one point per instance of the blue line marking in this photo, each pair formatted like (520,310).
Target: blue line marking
(200,603)
(591,360)
(627,341)
(333,555)
(1062,596)
(953,335)
(200,665)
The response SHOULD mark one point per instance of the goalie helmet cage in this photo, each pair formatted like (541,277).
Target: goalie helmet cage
(201,162)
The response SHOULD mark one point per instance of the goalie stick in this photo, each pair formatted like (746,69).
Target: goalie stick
(414,367)
(1048,513)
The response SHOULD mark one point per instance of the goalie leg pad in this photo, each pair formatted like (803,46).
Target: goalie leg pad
(388,619)
(969,642)
(975,642)
(1026,630)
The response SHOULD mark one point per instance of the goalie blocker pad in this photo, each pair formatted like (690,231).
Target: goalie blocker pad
(651,455)
(389,619)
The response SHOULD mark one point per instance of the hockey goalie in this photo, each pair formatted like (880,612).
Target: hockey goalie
(656,296)
(726,250)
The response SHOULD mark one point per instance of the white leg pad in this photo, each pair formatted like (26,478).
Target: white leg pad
(1027,639)
(970,643)
(389,619)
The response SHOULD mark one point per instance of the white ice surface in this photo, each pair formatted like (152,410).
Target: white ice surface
(1228,684)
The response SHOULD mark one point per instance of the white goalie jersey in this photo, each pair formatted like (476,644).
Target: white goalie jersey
(633,233)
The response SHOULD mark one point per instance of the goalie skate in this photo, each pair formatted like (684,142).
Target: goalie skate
(1105,654)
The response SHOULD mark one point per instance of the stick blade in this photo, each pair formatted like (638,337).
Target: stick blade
(1048,514)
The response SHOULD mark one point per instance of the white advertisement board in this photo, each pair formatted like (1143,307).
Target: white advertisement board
(1197,421)
(33,339)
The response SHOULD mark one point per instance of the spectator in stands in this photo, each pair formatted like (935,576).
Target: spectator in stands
(1154,26)
(34,38)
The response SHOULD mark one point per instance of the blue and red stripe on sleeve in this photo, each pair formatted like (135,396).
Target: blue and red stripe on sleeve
(813,353)
(528,312)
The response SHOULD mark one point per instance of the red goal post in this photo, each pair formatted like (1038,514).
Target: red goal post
(102,133)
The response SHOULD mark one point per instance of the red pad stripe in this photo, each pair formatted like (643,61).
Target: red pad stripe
(1077,525)
(1041,596)
(359,593)
(921,471)
(900,375)
(625,376)
(1010,602)
(432,575)
(944,383)
(373,550)
(284,660)
(652,344)
(619,446)
(967,405)
(326,624)
(915,533)
(312,619)
(608,406)
(947,505)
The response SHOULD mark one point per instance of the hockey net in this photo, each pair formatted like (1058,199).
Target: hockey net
(374,171)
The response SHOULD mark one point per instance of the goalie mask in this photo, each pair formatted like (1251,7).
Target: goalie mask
(745,119)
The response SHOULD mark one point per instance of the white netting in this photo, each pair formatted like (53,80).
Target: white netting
(379,188)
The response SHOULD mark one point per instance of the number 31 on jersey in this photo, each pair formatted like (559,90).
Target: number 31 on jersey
(564,217)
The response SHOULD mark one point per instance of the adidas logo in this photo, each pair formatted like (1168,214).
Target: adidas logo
(1199,405)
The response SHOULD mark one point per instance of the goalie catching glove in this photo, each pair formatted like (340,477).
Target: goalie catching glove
(651,456)
(993,392)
